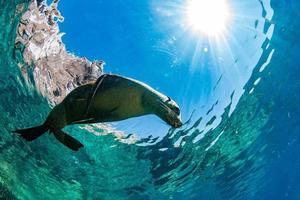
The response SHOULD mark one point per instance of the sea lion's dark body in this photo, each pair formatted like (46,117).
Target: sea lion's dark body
(110,98)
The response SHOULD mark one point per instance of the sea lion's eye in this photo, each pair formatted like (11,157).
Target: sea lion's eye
(177,110)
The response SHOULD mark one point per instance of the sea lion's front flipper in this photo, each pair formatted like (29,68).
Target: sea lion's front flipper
(67,140)
(94,91)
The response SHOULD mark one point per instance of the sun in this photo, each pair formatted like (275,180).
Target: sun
(208,16)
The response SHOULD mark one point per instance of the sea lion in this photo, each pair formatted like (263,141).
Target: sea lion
(110,98)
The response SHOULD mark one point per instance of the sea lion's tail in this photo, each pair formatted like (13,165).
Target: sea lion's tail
(33,133)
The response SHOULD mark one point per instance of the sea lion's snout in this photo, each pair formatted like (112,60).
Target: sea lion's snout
(173,120)
(177,124)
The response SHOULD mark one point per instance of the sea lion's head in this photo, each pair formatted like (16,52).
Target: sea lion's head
(170,112)
(165,108)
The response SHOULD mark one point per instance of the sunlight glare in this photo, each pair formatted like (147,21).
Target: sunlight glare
(208,16)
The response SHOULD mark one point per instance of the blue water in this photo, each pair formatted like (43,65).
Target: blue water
(239,99)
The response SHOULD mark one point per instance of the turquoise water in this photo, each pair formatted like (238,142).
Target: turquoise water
(240,104)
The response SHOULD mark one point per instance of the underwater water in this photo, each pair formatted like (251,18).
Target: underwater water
(239,96)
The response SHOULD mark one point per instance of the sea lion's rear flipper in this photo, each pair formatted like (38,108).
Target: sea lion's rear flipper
(67,140)
(33,133)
